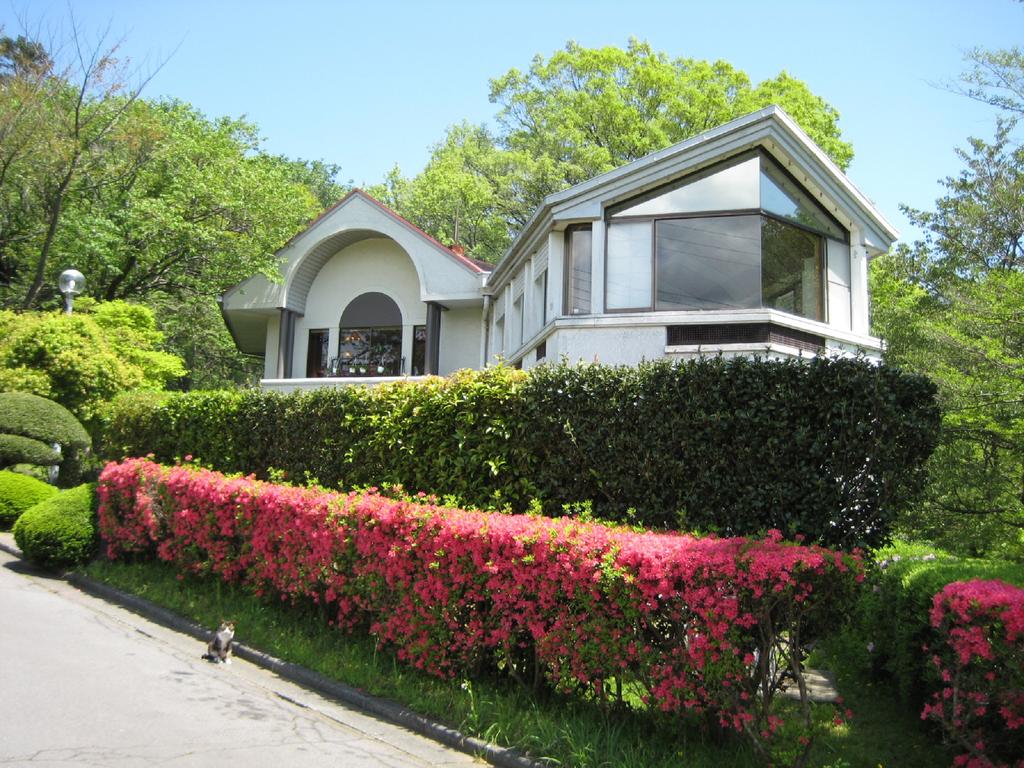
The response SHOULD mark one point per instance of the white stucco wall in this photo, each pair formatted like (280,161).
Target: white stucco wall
(460,339)
(378,265)
(609,345)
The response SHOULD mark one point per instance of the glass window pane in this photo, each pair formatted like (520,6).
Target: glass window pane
(725,188)
(419,350)
(629,265)
(370,352)
(709,263)
(578,271)
(779,195)
(791,269)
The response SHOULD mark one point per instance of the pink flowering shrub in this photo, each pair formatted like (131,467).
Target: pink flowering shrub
(698,625)
(980,662)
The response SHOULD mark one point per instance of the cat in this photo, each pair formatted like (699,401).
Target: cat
(219,647)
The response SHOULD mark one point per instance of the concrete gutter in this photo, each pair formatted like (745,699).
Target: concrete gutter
(385,709)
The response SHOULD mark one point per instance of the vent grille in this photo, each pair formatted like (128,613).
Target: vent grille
(744,333)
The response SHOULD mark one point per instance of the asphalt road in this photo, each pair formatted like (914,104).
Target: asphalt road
(86,683)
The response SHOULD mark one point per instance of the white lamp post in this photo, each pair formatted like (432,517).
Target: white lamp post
(71,284)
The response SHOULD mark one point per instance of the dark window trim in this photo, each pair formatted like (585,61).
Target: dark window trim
(695,334)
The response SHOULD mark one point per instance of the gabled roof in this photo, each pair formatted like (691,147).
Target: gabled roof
(476,265)
(769,128)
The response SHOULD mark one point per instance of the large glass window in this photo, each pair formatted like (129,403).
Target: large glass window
(370,352)
(370,337)
(708,263)
(579,256)
(781,196)
(762,248)
(731,186)
(628,277)
(791,269)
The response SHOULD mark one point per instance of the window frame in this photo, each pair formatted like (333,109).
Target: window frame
(568,261)
(611,218)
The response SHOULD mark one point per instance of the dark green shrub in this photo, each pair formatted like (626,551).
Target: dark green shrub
(40,419)
(15,449)
(60,531)
(31,425)
(18,493)
(891,624)
(830,449)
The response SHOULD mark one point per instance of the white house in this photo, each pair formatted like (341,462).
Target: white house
(745,240)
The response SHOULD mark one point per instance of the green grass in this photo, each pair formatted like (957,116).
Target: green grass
(565,731)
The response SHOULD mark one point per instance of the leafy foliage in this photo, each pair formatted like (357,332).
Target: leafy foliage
(83,360)
(60,531)
(151,200)
(952,307)
(829,449)
(579,113)
(18,493)
(15,449)
(30,427)
(892,618)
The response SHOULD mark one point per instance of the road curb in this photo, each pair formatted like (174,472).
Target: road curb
(383,708)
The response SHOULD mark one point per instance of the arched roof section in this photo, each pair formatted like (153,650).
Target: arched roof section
(443,273)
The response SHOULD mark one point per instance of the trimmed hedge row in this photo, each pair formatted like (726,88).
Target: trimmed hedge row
(830,449)
(60,531)
(700,626)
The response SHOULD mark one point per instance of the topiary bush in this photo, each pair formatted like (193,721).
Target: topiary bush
(29,428)
(40,419)
(18,493)
(60,531)
(15,449)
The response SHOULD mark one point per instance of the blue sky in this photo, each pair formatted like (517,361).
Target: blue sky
(370,84)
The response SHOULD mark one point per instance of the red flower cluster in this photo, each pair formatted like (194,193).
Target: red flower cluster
(980,661)
(698,624)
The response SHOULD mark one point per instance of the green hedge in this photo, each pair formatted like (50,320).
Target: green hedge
(18,493)
(830,449)
(891,624)
(60,531)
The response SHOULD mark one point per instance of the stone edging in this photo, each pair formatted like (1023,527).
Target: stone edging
(380,707)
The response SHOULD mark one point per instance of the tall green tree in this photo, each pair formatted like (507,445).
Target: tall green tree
(577,114)
(202,209)
(151,200)
(952,306)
